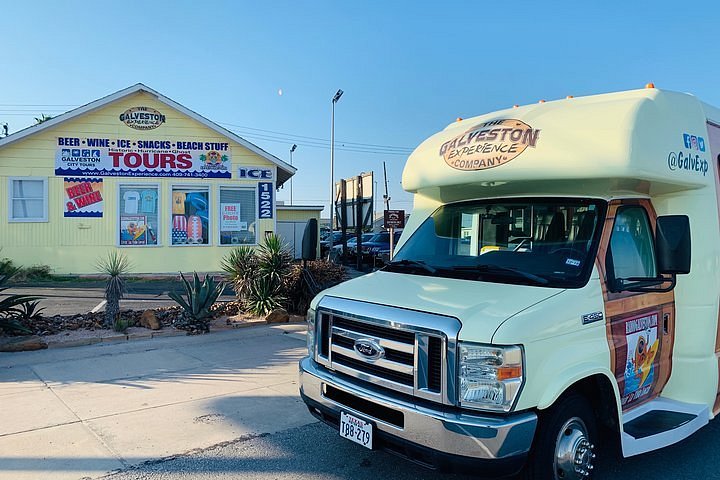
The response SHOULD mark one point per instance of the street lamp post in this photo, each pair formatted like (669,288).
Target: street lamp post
(292,149)
(335,99)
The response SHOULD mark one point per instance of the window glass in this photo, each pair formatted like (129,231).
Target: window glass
(238,216)
(631,244)
(28,199)
(139,215)
(190,216)
(532,241)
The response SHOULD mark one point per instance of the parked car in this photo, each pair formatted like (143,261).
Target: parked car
(378,245)
(337,239)
(352,244)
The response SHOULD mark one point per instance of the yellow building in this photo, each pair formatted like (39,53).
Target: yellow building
(138,172)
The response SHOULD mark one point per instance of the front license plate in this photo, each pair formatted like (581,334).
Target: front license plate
(355,429)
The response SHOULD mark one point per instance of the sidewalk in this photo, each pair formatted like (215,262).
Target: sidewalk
(85,411)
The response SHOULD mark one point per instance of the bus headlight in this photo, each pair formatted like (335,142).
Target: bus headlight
(489,376)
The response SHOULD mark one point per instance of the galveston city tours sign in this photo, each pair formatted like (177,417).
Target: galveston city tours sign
(114,157)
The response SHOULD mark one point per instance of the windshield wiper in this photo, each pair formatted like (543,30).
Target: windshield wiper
(412,264)
(501,269)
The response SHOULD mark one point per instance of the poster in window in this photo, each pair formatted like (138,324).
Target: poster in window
(230,217)
(133,230)
(83,197)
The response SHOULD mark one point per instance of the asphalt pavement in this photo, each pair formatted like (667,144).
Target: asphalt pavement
(315,451)
(71,297)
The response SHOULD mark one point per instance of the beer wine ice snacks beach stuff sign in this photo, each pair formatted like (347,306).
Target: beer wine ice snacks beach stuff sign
(113,157)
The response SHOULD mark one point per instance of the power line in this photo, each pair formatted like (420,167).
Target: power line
(314,138)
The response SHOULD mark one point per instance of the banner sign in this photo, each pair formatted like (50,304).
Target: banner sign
(230,217)
(83,197)
(108,157)
(265,200)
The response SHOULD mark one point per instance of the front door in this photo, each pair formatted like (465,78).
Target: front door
(640,326)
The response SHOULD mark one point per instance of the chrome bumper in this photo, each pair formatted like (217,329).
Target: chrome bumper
(450,433)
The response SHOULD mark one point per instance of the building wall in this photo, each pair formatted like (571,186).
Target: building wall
(300,218)
(73,245)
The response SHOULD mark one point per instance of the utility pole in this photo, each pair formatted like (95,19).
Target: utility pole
(335,99)
(386,197)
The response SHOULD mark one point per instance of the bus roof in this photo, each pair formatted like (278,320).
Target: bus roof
(644,142)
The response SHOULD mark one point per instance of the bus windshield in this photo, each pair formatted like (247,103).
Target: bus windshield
(542,241)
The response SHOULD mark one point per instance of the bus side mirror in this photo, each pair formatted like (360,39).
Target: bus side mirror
(672,243)
(310,240)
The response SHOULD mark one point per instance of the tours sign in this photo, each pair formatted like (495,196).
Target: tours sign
(113,157)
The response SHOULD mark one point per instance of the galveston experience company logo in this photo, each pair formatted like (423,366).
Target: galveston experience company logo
(489,144)
(142,118)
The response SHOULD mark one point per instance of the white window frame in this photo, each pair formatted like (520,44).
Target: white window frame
(139,186)
(218,212)
(211,220)
(44,218)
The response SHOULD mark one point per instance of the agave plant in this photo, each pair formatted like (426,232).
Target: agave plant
(264,295)
(11,308)
(241,267)
(115,265)
(200,296)
(29,311)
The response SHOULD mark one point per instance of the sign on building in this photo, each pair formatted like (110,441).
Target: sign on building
(116,157)
(83,197)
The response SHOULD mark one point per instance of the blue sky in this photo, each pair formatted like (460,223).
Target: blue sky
(407,68)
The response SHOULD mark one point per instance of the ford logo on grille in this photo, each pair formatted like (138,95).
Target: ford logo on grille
(369,349)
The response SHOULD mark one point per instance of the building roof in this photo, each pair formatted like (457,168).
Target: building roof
(284,170)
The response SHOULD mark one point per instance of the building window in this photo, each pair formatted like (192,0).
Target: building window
(238,216)
(28,199)
(138,215)
(190,216)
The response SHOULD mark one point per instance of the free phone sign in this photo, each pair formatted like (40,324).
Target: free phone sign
(394,219)
(265,200)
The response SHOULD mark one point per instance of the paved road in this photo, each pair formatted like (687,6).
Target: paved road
(218,406)
(316,452)
(68,298)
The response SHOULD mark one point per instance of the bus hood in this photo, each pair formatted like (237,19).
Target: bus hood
(481,307)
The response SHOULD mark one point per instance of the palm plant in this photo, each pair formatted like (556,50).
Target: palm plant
(241,266)
(200,296)
(265,291)
(115,265)
(274,259)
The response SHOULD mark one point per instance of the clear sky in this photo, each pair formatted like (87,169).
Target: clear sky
(407,68)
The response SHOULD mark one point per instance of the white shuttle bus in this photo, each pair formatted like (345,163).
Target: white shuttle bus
(558,285)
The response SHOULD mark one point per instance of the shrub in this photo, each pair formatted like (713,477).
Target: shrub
(35,272)
(302,284)
(115,265)
(240,265)
(265,288)
(200,296)
(11,309)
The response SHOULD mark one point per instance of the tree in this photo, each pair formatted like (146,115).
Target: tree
(43,118)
